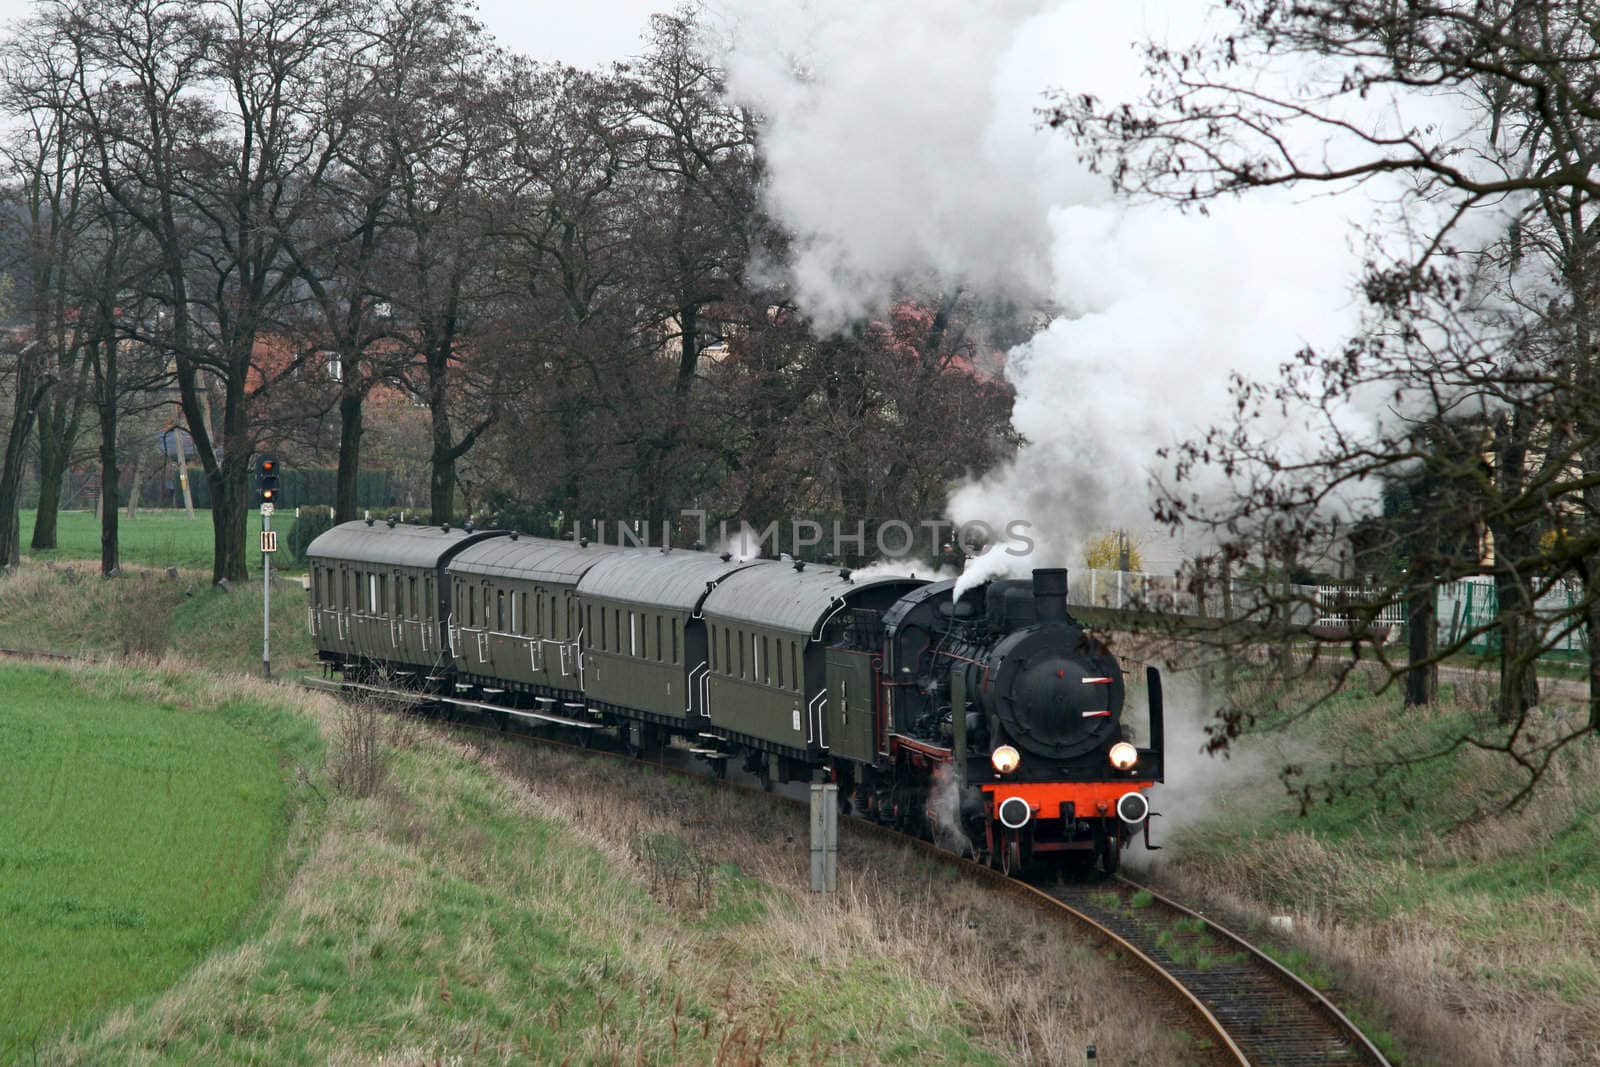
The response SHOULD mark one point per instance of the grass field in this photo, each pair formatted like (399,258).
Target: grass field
(133,839)
(494,904)
(73,610)
(1472,927)
(153,538)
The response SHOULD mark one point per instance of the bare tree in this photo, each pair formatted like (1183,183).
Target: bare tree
(1490,340)
(207,134)
(45,158)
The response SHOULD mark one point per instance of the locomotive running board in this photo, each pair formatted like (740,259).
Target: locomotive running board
(433,698)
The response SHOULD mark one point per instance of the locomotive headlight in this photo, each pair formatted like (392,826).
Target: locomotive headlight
(1005,759)
(1124,756)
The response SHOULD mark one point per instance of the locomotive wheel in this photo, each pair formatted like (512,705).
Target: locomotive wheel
(1011,855)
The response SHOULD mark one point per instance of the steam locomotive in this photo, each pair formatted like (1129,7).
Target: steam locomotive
(992,722)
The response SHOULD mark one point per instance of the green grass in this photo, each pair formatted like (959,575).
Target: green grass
(74,611)
(155,538)
(134,838)
(441,920)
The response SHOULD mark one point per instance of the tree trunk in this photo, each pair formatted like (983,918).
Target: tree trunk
(442,462)
(25,406)
(110,477)
(1515,624)
(1591,625)
(1422,676)
(229,510)
(54,451)
(346,499)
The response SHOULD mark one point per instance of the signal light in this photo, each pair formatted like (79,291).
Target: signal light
(267,480)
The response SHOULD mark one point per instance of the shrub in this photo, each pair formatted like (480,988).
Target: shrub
(311,522)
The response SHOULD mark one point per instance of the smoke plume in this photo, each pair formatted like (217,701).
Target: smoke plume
(904,147)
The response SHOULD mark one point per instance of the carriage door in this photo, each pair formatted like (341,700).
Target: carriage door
(696,650)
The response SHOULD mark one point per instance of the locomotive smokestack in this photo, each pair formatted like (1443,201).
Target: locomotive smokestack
(1050,594)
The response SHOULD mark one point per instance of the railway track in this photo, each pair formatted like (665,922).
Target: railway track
(1270,1016)
(1257,1013)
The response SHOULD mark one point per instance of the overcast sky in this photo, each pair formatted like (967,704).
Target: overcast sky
(585,33)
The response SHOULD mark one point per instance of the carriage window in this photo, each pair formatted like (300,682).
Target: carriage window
(500,610)
(658,639)
(794,664)
(674,640)
(538,607)
(427,593)
(372,592)
(472,605)
(713,656)
(603,635)
(777,648)
(520,614)
(727,652)
(633,635)
(765,678)
(741,655)
(411,593)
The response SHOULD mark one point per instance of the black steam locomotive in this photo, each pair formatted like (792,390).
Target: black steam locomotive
(992,722)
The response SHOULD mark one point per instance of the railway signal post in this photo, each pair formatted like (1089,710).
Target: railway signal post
(267,493)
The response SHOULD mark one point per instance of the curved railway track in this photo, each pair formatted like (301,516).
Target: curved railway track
(1269,1014)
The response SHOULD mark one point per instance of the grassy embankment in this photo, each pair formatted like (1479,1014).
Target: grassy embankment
(59,603)
(1475,932)
(133,838)
(492,904)
(437,900)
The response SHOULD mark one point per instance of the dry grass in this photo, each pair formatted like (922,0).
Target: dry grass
(1471,940)
(501,904)
(1024,982)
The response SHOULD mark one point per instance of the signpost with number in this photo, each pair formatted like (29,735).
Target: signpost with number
(267,491)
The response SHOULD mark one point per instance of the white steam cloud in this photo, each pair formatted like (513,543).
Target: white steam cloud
(904,144)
